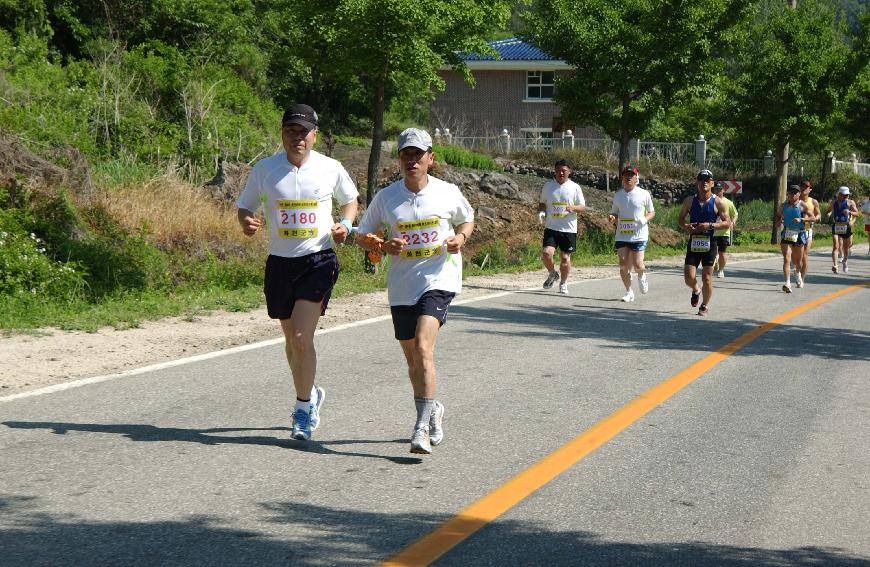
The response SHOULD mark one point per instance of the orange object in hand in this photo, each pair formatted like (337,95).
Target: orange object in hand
(376,241)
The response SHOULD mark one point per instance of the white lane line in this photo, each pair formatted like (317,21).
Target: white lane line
(209,355)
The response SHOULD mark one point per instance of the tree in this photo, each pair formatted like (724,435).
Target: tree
(789,81)
(387,43)
(856,124)
(632,59)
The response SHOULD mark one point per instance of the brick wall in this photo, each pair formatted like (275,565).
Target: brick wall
(495,103)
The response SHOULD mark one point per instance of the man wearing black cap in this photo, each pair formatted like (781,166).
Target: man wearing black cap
(632,209)
(724,236)
(428,222)
(296,186)
(706,213)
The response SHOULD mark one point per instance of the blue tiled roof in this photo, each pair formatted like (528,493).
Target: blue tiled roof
(512,49)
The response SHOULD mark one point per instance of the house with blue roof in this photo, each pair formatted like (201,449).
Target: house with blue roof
(512,92)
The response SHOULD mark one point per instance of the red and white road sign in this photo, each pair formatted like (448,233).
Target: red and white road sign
(733,187)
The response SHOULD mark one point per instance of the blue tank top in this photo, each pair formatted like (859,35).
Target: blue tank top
(791,216)
(704,213)
(841,211)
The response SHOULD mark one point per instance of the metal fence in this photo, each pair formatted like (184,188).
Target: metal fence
(689,153)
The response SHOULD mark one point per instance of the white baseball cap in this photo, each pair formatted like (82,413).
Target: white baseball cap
(416,138)
(843,190)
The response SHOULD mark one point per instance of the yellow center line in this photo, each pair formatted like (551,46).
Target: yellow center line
(489,507)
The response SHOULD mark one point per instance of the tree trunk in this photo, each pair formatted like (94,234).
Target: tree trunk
(377,139)
(624,136)
(782,157)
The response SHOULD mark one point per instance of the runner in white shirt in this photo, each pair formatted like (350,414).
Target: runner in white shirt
(427,222)
(631,211)
(297,187)
(561,199)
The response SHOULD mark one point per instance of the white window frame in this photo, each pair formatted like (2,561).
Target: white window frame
(539,75)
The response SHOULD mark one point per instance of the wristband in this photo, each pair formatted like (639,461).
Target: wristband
(464,237)
(347,224)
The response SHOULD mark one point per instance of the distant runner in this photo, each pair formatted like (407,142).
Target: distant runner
(815,212)
(561,199)
(866,211)
(632,210)
(843,210)
(791,215)
(724,237)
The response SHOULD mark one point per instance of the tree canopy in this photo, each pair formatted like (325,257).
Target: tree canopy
(633,59)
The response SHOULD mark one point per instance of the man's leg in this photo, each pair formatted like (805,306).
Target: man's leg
(547,258)
(798,256)
(635,258)
(690,279)
(706,284)
(785,248)
(624,266)
(834,250)
(846,245)
(420,355)
(722,261)
(564,265)
(301,356)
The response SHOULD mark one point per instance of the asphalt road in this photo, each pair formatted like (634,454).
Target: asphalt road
(763,460)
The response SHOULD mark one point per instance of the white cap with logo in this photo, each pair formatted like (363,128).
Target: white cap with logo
(414,137)
(843,190)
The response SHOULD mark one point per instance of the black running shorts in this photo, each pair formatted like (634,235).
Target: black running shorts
(434,302)
(309,278)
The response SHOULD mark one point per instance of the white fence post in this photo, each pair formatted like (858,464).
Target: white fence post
(769,166)
(448,135)
(506,141)
(633,150)
(438,136)
(701,151)
(568,135)
(854,160)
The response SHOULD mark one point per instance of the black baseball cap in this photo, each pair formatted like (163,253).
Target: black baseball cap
(718,185)
(301,114)
(794,189)
(705,174)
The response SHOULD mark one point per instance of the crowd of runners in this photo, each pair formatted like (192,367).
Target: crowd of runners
(423,223)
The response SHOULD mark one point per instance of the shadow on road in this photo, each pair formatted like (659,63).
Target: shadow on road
(650,329)
(213,436)
(304,534)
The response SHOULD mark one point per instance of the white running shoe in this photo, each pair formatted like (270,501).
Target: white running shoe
(563,288)
(628,297)
(644,285)
(845,267)
(799,280)
(420,441)
(720,274)
(314,411)
(786,288)
(436,431)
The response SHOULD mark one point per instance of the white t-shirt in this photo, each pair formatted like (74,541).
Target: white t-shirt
(424,219)
(630,209)
(298,201)
(556,197)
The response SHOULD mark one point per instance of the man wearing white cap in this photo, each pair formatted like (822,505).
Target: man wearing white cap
(296,186)
(427,223)
(843,210)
